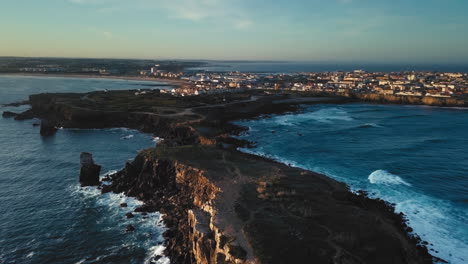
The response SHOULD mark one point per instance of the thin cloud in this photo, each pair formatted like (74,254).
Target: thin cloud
(242,24)
(107,35)
(215,11)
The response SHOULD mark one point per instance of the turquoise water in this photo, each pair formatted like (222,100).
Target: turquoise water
(413,156)
(45,216)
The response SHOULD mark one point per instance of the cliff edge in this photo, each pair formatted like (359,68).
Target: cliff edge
(224,206)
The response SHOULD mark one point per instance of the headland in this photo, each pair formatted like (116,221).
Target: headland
(224,206)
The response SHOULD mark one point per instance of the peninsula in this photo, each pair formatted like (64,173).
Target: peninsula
(224,206)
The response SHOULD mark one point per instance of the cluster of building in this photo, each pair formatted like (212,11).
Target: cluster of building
(42,69)
(160,73)
(359,81)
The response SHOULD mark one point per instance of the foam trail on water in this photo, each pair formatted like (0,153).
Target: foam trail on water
(127,137)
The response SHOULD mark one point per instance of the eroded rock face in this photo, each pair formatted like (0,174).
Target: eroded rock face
(184,196)
(89,172)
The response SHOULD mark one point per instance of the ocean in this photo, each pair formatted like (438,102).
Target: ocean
(46,217)
(295,67)
(412,156)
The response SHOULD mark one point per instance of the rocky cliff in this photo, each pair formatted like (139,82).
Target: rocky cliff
(186,197)
(227,207)
(415,100)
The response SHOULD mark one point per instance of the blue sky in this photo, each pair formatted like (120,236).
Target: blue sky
(409,31)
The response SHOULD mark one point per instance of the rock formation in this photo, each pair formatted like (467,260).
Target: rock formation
(47,128)
(228,207)
(89,172)
(8,114)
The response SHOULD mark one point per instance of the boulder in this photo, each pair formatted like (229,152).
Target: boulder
(130,228)
(47,128)
(8,114)
(89,172)
(129,215)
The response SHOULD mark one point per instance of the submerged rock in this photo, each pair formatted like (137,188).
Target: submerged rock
(47,128)
(89,172)
(129,215)
(130,228)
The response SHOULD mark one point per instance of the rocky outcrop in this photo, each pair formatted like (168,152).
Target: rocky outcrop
(54,114)
(185,196)
(261,211)
(89,171)
(16,104)
(8,114)
(47,128)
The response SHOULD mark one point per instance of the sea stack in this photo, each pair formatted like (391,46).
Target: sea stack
(47,128)
(89,172)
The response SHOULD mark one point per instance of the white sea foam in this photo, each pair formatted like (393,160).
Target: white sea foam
(146,225)
(329,115)
(369,125)
(121,129)
(386,178)
(30,255)
(158,139)
(127,137)
(81,261)
(157,251)
(436,222)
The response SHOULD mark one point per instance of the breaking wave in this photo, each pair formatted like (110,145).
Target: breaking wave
(149,226)
(386,178)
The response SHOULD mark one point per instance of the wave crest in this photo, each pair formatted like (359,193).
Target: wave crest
(386,178)
(369,125)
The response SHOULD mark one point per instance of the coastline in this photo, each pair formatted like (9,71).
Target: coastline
(170,82)
(173,158)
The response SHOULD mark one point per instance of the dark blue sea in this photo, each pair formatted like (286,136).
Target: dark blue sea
(412,156)
(295,67)
(45,217)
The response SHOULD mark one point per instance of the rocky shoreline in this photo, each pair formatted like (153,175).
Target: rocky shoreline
(224,206)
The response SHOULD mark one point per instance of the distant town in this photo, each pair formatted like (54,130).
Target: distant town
(196,82)
(358,81)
